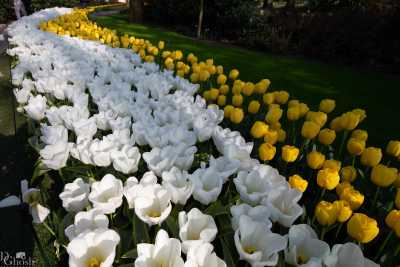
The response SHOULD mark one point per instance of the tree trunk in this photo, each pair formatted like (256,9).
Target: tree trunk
(136,11)
(200,24)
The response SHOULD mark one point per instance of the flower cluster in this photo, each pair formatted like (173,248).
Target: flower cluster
(103,113)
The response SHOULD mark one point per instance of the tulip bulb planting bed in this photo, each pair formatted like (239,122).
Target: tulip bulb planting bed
(144,162)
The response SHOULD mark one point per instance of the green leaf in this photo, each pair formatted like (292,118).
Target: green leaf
(140,231)
(230,262)
(172,225)
(131,254)
(216,209)
(39,170)
(127,264)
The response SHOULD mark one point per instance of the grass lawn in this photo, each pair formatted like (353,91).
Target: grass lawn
(307,80)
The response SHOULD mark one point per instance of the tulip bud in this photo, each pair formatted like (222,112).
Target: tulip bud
(326,136)
(295,181)
(328,178)
(336,124)
(228,111)
(253,107)
(271,136)
(233,74)
(318,117)
(332,164)
(224,89)
(352,196)
(310,129)
(237,88)
(262,86)
(237,100)
(371,156)
(273,115)
(275,126)
(161,45)
(268,98)
(221,101)
(214,93)
(361,114)
(359,134)
(259,129)
(315,160)
(237,115)
(349,121)
(194,77)
(326,213)
(392,218)
(221,79)
(348,174)
(281,97)
(344,210)
(204,75)
(293,113)
(266,151)
(281,135)
(383,176)
(355,146)
(289,153)
(393,148)
(248,88)
(327,105)
(303,109)
(362,228)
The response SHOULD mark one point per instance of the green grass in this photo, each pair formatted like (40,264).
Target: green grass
(309,81)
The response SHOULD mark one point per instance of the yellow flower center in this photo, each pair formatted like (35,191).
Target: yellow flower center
(93,262)
(301,259)
(154,214)
(250,249)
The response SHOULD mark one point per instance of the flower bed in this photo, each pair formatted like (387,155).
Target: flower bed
(199,197)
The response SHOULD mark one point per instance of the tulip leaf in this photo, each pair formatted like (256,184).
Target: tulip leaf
(140,231)
(127,265)
(230,262)
(39,170)
(216,209)
(172,225)
(131,254)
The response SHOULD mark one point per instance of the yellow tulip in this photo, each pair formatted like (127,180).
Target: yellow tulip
(194,77)
(248,89)
(360,134)
(207,95)
(161,45)
(259,129)
(303,109)
(268,98)
(327,105)
(353,197)
(281,97)
(332,164)
(266,152)
(271,136)
(397,181)
(355,146)
(262,86)
(224,89)
(237,100)
(371,156)
(237,115)
(293,113)
(326,136)
(344,210)
(204,75)
(228,111)
(336,124)
(328,178)
(221,101)
(326,213)
(393,148)
(310,129)
(349,121)
(362,228)
(293,103)
(221,79)
(220,69)
(237,87)
(233,74)
(290,153)
(295,181)
(315,160)
(348,174)
(383,176)
(392,218)
(318,117)
(274,114)
(361,114)
(253,107)
(214,93)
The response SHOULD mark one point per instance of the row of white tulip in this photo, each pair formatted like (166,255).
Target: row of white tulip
(101,106)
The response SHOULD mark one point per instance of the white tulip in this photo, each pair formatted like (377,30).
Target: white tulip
(106,195)
(259,213)
(164,252)
(305,249)
(203,256)
(204,125)
(36,107)
(93,248)
(178,185)
(132,187)
(22,96)
(53,134)
(152,204)
(256,244)
(126,160)
(55,156)
(10,201)
(348,255)
(225,166)
(80,150)
(256,184)
(283,206)
(226,137)
(196,227)
(75,195)
(86,220)
(101,152)
(31,196)
(207,185)
(85,128)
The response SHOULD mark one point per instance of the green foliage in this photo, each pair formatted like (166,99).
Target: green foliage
(6,11)
(42,4)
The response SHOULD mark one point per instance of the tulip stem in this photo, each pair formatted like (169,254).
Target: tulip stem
(323,232)
(383,245)
(376,197)
(353,161)
(397,251)
(338,230)
(49,229)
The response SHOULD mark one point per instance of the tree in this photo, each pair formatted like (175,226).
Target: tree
(136,11)
(200,24)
